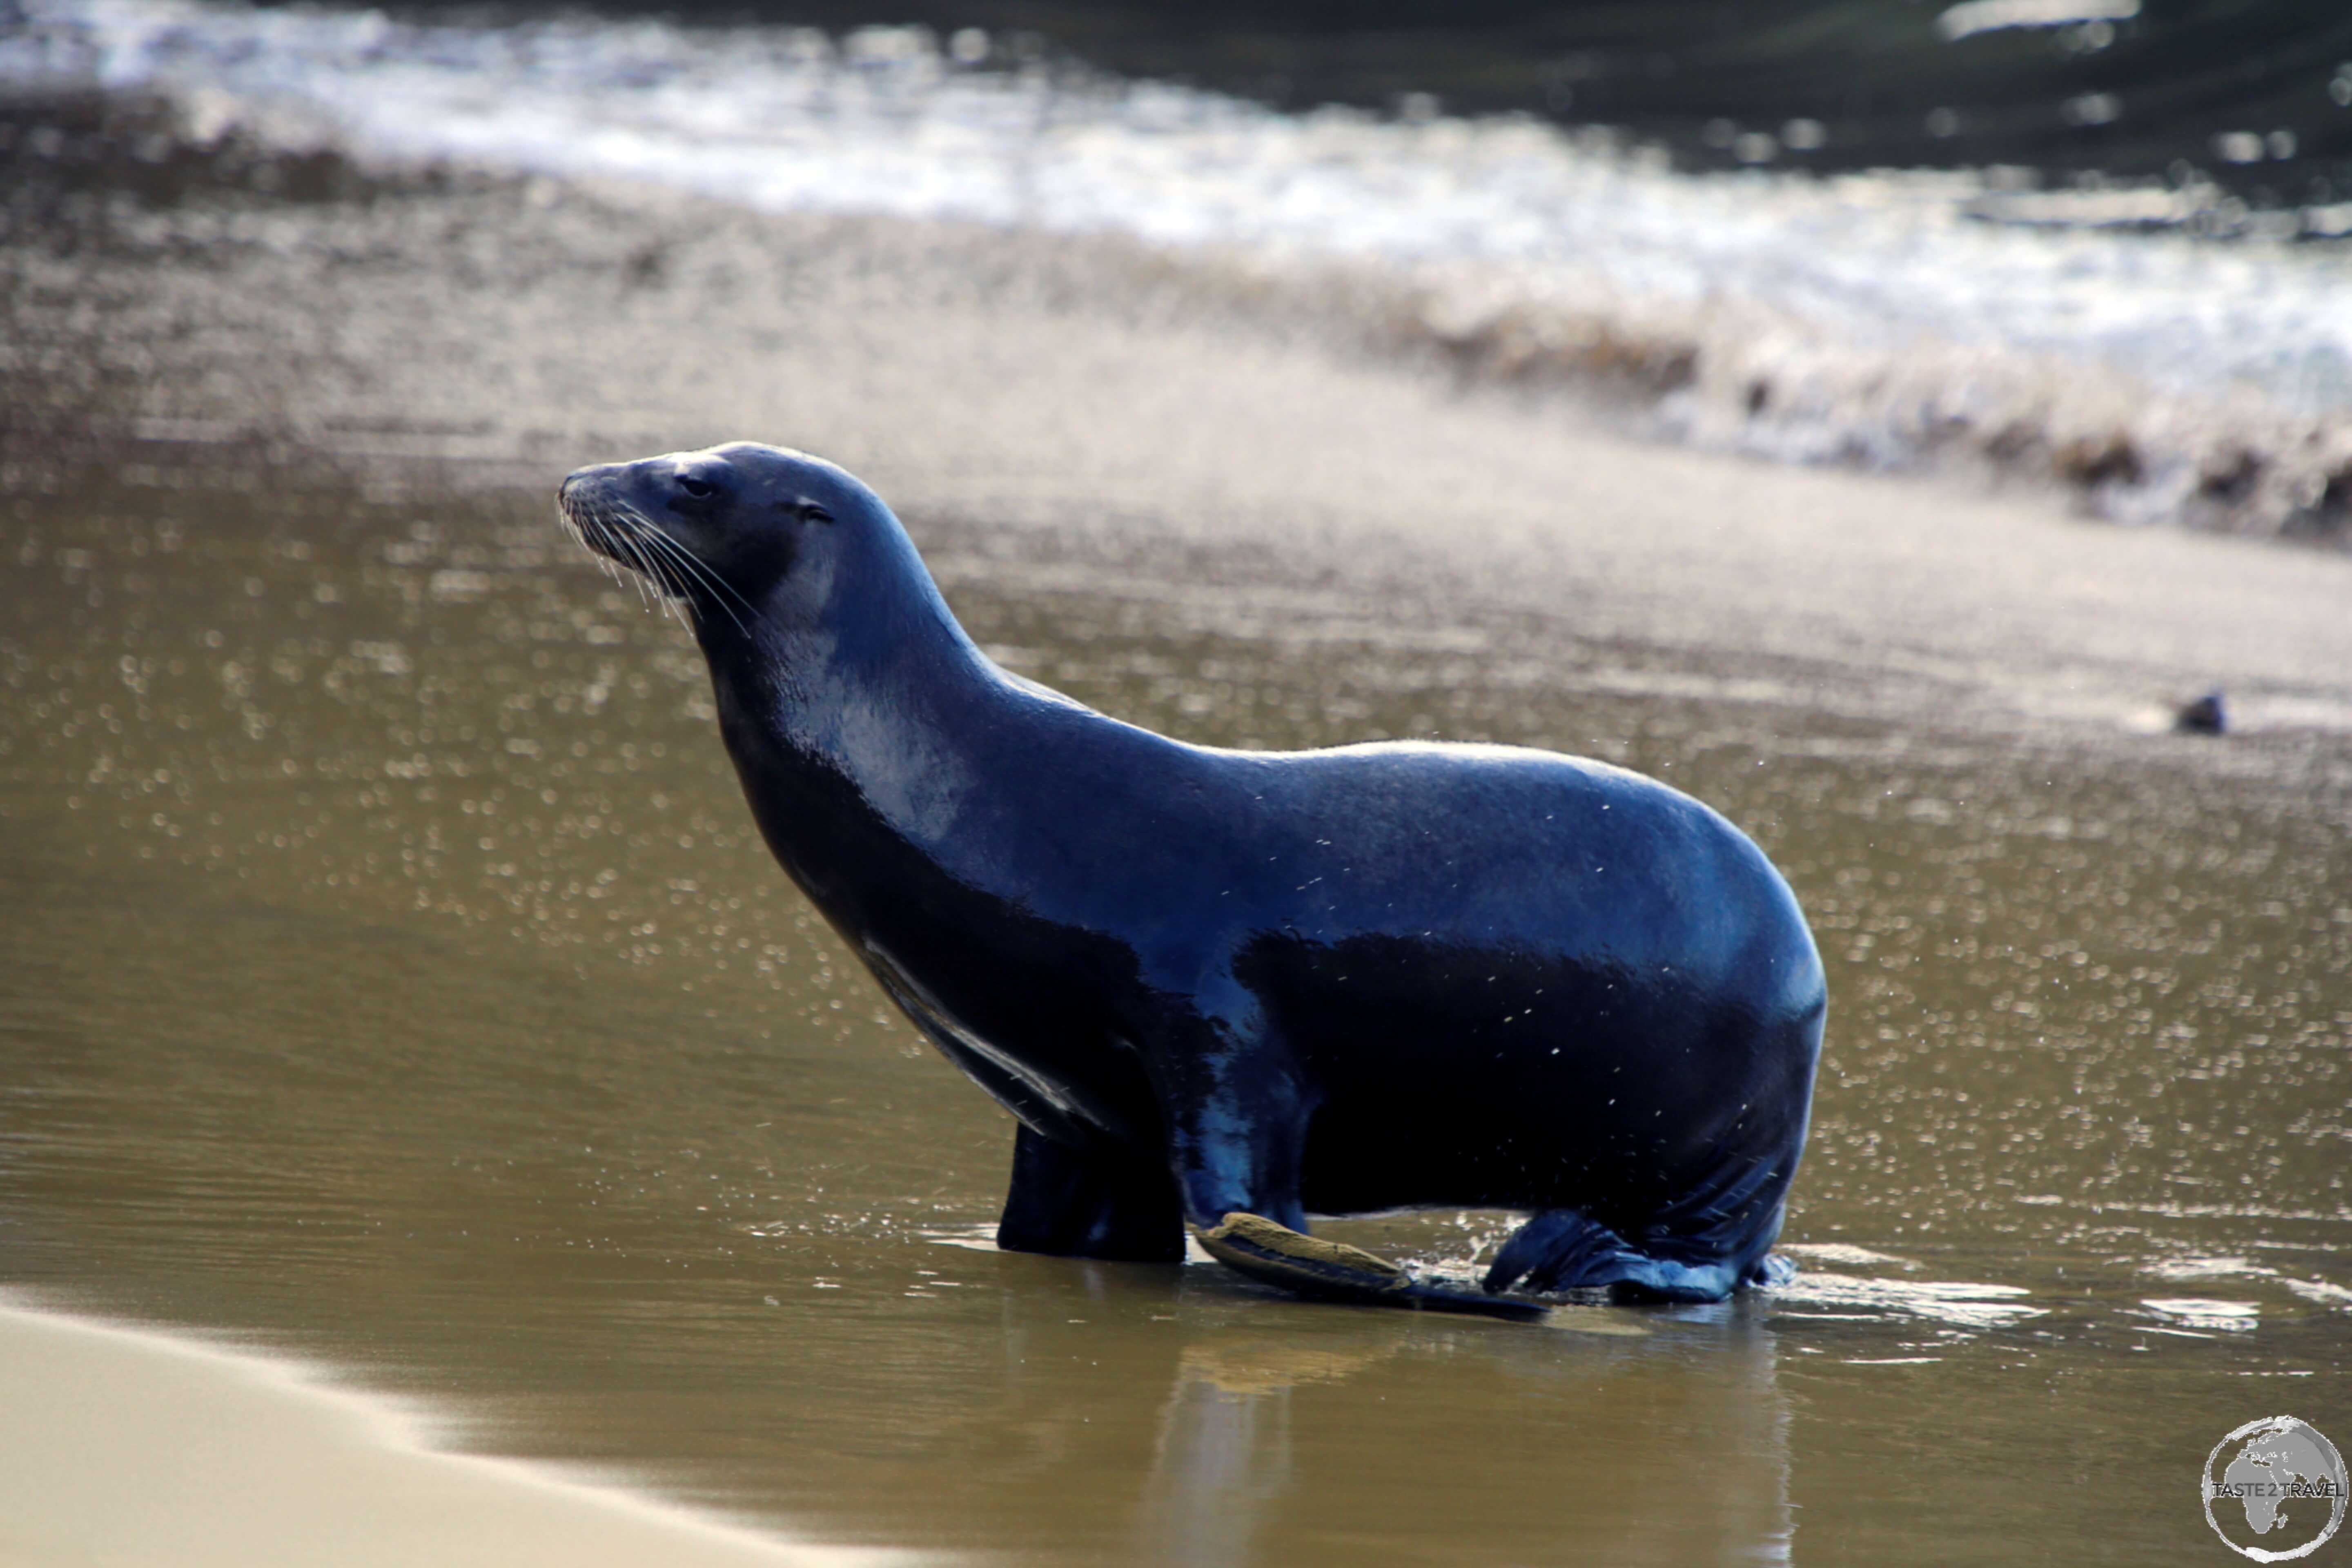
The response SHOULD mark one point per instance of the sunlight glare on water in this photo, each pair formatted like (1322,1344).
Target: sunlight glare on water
(409,985)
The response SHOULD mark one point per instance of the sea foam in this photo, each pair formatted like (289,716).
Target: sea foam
(1882,319)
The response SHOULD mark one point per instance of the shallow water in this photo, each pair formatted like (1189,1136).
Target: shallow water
(391,973)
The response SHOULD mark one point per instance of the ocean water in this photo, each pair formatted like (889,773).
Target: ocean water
(1881,318)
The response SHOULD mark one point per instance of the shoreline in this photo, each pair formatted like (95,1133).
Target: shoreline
(1093,391)
(136,176)
(132,1446)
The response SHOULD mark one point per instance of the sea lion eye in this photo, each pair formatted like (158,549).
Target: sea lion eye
(701,490)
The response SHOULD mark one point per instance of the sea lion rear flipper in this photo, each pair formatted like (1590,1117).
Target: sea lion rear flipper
(1332,1271)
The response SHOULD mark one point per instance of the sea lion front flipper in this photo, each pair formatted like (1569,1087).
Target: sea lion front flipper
(1089,1203)
(1334,1270)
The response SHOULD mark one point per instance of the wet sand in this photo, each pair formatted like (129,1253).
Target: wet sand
(391,976)
(1104,392)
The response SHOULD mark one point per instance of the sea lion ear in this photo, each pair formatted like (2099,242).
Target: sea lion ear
(807,511)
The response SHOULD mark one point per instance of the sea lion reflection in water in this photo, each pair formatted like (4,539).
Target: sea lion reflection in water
(1226,989)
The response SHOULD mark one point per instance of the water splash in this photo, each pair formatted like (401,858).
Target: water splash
(1962,1304)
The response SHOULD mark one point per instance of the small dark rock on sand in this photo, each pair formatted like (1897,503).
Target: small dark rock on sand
(2206,716)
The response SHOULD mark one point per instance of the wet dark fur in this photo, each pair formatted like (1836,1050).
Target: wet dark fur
(1363,979)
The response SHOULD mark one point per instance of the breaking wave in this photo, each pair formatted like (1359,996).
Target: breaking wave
(1886,319)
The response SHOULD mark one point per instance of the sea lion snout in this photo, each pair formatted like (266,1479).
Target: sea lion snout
(592,504)
(631,484)
(599,487)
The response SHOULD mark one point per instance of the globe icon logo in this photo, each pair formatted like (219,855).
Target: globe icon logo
(2275,1490)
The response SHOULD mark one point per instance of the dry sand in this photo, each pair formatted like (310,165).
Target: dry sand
(126,1447)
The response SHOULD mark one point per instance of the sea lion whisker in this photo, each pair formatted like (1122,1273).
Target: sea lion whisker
(578,535)
(646,541)
(607,549)
(666,593)
(623,550)
(577,525)
(674,566)
(686,561)
(661,538)
(682,565)
(643,540)
(619,535)
(632,549)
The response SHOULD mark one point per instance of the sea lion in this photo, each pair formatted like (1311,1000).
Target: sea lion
(1224,989)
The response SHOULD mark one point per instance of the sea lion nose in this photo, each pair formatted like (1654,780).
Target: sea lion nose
(580,479)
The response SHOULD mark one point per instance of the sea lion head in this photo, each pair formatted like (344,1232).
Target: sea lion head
(725,530)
